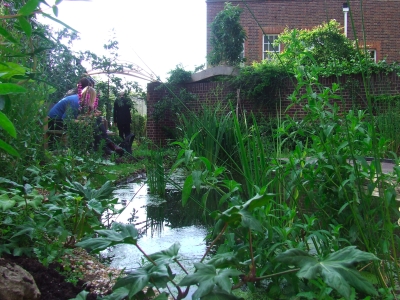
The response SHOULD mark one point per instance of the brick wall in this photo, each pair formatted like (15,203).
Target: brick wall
(211,92)
(381,21)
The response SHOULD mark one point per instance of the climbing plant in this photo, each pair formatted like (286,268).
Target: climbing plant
(227,37)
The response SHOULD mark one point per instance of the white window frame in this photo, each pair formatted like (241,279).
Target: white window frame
(372,53)
(242,55)
(268,48)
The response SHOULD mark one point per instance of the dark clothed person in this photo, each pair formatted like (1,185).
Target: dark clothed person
(122,116)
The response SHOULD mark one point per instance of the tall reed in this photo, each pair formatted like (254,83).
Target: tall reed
(156,173)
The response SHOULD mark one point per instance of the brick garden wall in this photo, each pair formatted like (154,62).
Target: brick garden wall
(211,92)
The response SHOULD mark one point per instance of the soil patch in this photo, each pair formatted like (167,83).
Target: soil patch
(51,283)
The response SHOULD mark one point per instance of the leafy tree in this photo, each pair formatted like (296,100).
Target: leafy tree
(227,37)
(322,44)
(61,66)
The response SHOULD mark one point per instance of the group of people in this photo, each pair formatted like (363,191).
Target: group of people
(81,103)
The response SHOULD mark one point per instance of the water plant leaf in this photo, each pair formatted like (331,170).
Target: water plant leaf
(218,294)
(187,189)
(55,10)
(8,148)
(160,275)
(6,203)
(168,255)
(162,296)
(337,269)
(207,278)
(7,125)
(119,234)
(196,175)
(224,260)
(134,282)
(11,88)
(117,294)
(258,201)
(8,181)
(25,25)
(241,214)
(58,21)
(95,205)
(89,193)
(7,35)
(29,7)
(33,201)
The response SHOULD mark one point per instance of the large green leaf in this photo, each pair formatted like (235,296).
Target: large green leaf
(219,294)
(58,21)
(119,234)
(166,256)
(29,7)
(33,201)
(160,275)
(25,25)
(89,193)
(7,125)
(337,269)
(241,214)
(117,294)
(207,278)
(10,88)
(224,260)
(10,182)
(8,148)
(162,296)
(8,35)
(6,203)
(187,189)
(10,69)
(135,282)
(95,205)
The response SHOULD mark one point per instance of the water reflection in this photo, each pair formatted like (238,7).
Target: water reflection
(161,222)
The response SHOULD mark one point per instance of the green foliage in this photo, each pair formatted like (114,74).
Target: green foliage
(175,100)
(61,67)
(155,172)
(212,128)
(337,269)
(261,81)
(211,281)
(227,37)
(178,76)
(119,233)
(320,45)
(138,126)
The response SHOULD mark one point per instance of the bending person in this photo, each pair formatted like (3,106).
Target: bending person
(87,110)
(68,105)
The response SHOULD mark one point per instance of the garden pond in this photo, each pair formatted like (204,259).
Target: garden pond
(161,222)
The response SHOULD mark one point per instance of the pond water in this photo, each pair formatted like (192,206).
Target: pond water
(161,221)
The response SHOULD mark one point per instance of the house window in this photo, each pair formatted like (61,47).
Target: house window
(268,46)
(242,56)
(372,54)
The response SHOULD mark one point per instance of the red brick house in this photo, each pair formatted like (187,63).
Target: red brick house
(381,22)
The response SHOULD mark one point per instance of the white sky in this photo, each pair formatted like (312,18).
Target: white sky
(157,35)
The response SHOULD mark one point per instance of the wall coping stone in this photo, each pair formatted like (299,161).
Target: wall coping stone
(215,71)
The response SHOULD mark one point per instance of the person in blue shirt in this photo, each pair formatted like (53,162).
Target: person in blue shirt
(68,106)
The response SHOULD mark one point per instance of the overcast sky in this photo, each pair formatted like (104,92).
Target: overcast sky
(157,35)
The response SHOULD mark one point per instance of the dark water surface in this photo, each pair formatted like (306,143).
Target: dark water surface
(162,222)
